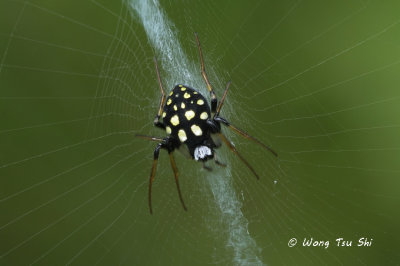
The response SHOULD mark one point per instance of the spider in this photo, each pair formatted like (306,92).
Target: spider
(192,127)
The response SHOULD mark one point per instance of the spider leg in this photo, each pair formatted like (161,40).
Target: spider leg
(218,162)
(153,172)
(175,169)
(237,130)
(221,102)
(233,149)
(157,121)
(244,134)
(149,137)
(204,74)
(208,168)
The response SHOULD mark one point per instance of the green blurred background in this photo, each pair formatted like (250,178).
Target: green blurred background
(318,81)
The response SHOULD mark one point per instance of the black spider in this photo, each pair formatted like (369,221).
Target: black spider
(192,127)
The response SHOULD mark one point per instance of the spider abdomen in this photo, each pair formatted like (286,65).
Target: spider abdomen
(185,116)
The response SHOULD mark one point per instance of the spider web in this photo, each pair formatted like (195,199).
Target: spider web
(315,81)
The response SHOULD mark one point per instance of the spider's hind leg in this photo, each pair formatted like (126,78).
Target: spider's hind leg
(167,145)
(218,162)
(175,170)
(244,134)
(208,168)
(233,149)
(153,172)
(237,130)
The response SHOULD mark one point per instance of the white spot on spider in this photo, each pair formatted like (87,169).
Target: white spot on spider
(200,102)
(168,129)
(201,152)
(189,114)
(204,115)
(183,89)
(175,107)
(183,105)
(175,120)
(186,95)
(164,114)
(196,130)
(182,135)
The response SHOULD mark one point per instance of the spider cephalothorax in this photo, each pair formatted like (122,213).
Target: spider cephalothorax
(192,126)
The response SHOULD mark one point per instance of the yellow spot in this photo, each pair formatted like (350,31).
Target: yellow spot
(168,129)
(182,135)
(200,102)
(164,114)
(183,89)
(204,115)
(169,101)
(175,120)
(183,105)
(175,108)
(195,92)
(191,102)
(180,85)
(177,95)
(186,95)
(196,130)
(189,114)
(171,93)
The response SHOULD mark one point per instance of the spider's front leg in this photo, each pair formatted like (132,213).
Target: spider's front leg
(157,121)
(214,100)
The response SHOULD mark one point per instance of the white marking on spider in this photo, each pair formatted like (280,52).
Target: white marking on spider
(201,152)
